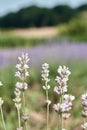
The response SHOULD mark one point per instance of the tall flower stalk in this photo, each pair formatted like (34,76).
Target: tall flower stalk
(21,86)
(46,87)
(17,101)
(64,105)
(2,116)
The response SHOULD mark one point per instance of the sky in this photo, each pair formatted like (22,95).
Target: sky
(7,6)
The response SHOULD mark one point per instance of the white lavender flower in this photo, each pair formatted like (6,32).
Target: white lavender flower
(66,115)
(21,128)
(84,104)
(84,96)
(1,83)
(84,126)
(1,101)
(63,71)
(22,72)
(45,75)
(60,90)
(57,108)
(17,99)
(48,102)
(62,79)
(46,87)
(65,105)
(25,117)
(69,98)
(22,67)
(22,86)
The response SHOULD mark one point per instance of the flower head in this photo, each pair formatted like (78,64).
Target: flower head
(22,67)
(45,75)
(1,83)
(63,71)
(22,85)
(84,104)
(45,72)
(17,98)
(61,79)
(84,126)
(1,101)
(21,128)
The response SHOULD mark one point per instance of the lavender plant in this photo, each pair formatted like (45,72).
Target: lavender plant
(64,105)
(84,111)
(22,73)
(46,87)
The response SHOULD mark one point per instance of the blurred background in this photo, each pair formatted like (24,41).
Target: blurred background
(52,31)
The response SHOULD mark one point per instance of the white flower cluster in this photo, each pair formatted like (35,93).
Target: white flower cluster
(65,105)
(21,86)
(22,72)
(21,128)
(84,104)
(84,126)
(62,80)
(1,83)
(17,99)
(84,111)
(1,100)
(45,76)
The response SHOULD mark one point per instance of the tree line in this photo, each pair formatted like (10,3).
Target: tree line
(37,17)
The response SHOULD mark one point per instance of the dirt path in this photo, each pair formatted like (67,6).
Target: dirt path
(43,32)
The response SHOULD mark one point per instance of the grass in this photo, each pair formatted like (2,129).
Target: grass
(74,30)
(25,37)
(35,96)
(7,41)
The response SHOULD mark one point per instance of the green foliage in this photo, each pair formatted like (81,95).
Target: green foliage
(75,29)
(35,16)
(12,41)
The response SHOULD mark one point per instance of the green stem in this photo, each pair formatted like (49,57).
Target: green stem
(58,121)
(47,117)
(24,109)
(26,125)
(61,122)
(23,102)
(19,119)
(3,121)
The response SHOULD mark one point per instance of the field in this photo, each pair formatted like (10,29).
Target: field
(26,37)
(35,96)
(43,46)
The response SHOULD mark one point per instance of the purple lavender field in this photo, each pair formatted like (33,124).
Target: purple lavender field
(52,52)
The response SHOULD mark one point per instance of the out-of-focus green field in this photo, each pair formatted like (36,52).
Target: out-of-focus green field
(75,29)
(7,41)
(26,37)
(35,96)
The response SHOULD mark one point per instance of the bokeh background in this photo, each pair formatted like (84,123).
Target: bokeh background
(52,31)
